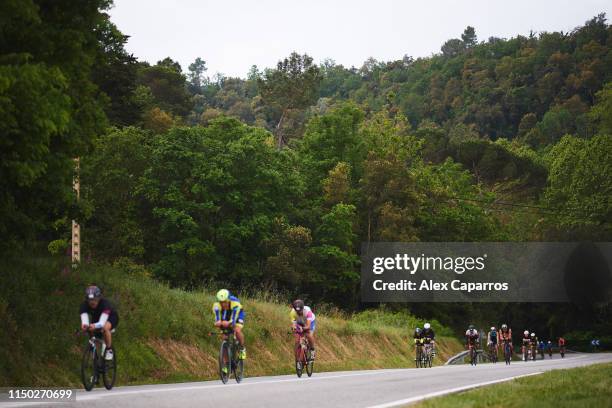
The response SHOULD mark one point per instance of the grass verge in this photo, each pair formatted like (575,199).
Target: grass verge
(576,387)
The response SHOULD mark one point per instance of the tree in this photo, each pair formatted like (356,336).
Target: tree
(168,86)
(469,37)
(50,110)
(196,74)
(294,84)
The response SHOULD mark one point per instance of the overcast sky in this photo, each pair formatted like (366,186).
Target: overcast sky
(233,35)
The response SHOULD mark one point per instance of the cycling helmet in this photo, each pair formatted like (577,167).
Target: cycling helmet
(549,342)
(493,328)
(471,327)
(532,334)
(93,292)
(417,330)
(298,305)
(223,295)
(526,332)
(427,326)
(504,326)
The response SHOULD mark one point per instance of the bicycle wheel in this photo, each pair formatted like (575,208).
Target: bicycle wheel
(417,360)
(109,373)
(299,361)
(309,364)
(239,370)
(507,354)
(225,362)
(89,367)
(429,358)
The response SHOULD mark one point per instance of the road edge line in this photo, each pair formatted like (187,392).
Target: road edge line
(450,391)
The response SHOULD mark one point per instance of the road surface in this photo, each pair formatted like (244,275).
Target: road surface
(367,389)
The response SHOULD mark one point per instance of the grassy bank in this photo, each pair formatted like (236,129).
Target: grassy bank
(577,387)
(163,334)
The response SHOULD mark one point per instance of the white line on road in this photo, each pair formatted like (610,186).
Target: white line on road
(449,391)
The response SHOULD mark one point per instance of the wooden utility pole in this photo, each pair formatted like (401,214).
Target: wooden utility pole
(76,228)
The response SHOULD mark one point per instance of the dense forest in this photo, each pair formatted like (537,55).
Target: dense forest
(276,179)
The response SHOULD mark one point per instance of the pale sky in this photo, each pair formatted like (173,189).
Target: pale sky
(233,35)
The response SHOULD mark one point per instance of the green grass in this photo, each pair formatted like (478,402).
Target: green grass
(163,333)
(576,387)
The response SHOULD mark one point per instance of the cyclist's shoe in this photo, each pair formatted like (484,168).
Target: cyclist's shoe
(242,355)
(312,354)
(224,370)
(109,354)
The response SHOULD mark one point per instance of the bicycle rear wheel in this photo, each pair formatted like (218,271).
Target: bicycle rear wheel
(110,371)
(225,362)
(89,367)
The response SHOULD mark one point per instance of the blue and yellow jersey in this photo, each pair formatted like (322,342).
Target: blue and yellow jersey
(231,314)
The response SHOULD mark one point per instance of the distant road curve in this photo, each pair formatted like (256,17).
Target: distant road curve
(367,389)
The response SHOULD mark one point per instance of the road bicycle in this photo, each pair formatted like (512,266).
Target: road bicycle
(230,362)
(427,355)
(473,353)
(303,356)
(507,352)
(418,360)
(492,353)
(94,363)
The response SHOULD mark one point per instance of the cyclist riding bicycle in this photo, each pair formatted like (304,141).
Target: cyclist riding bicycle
(472,336)
(492,338)
(505,335)
(303,319)
(229,314)
(102,313)
(428,336)
(525,343)
(418,337)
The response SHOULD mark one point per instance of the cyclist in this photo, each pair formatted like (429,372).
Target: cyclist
(541,346)
(302,319)
(561,346)
(549,348)
(102,313)
(525,342)
(428,336)
(492,338)
(472,336)
(505,335)
(229,314)
(533,343)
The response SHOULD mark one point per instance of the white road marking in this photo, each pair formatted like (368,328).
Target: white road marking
(449,391)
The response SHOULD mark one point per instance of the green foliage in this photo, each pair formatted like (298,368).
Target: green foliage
(580,187)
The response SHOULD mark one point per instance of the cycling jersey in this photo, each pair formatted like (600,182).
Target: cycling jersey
(561,342)
(492,337)
(505,335)
(428,334)
(472,336)
(100,315)
(234,315)
(307,317)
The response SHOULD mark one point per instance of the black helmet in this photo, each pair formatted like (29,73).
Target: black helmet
(298,305)
(93,292)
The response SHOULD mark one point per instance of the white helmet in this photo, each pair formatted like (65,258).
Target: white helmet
(493,328)
(504,326)
(427,326)
(526,332)
(532,334)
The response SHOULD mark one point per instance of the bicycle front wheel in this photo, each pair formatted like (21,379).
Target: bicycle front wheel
(309,364)
(89,367)
(225,362)
(110,371)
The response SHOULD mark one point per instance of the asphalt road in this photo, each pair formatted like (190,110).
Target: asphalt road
(367,389)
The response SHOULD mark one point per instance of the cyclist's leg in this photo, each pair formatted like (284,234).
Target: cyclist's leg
(108,329)
(238,328)
(310,334)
